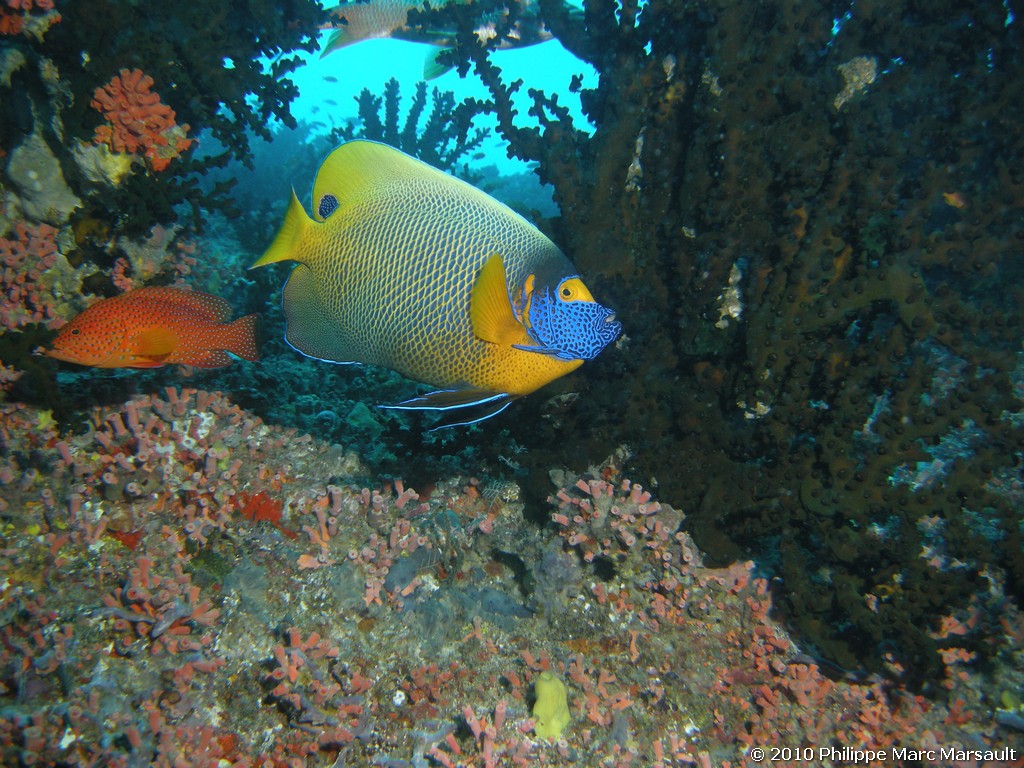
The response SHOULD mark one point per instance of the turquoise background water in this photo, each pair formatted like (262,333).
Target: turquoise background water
(371,63)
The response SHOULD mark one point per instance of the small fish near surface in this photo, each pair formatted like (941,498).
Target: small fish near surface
(407,267)
(372,19)
(154,326)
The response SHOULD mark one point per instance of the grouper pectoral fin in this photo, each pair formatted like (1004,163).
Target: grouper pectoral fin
(466,406)
(154,344)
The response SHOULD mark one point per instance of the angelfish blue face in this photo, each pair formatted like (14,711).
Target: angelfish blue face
(566,322)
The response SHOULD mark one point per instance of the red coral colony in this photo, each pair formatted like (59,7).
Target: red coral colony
(138,121)
(24,16)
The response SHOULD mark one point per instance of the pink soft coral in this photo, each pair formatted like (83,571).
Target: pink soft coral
(25,256)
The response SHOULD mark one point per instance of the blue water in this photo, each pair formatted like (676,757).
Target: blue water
(371,63)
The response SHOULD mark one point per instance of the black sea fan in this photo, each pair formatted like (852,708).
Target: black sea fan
(443,140)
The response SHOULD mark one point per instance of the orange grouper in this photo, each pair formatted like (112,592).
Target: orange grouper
(155,326)
(407,267)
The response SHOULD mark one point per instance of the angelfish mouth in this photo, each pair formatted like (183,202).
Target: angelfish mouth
(610,318)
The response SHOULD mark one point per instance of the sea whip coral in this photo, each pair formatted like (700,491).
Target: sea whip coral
(137,120)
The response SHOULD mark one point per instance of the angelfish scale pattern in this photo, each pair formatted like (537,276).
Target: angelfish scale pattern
(403,311)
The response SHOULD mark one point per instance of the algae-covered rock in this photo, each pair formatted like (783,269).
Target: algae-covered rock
(35,173)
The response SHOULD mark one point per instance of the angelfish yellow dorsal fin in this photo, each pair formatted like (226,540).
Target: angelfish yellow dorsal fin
(286,243)
(490,309)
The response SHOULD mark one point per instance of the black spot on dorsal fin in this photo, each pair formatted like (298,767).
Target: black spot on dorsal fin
(328,205)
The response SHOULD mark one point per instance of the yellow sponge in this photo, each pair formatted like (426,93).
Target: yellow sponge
(551,712)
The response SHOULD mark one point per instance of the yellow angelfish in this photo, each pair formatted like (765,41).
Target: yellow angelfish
(407,267)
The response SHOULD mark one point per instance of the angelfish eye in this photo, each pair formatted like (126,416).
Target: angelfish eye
(573,289)
(568,290)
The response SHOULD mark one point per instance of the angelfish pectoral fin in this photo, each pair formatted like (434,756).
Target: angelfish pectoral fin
(463,406)
(490,307)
